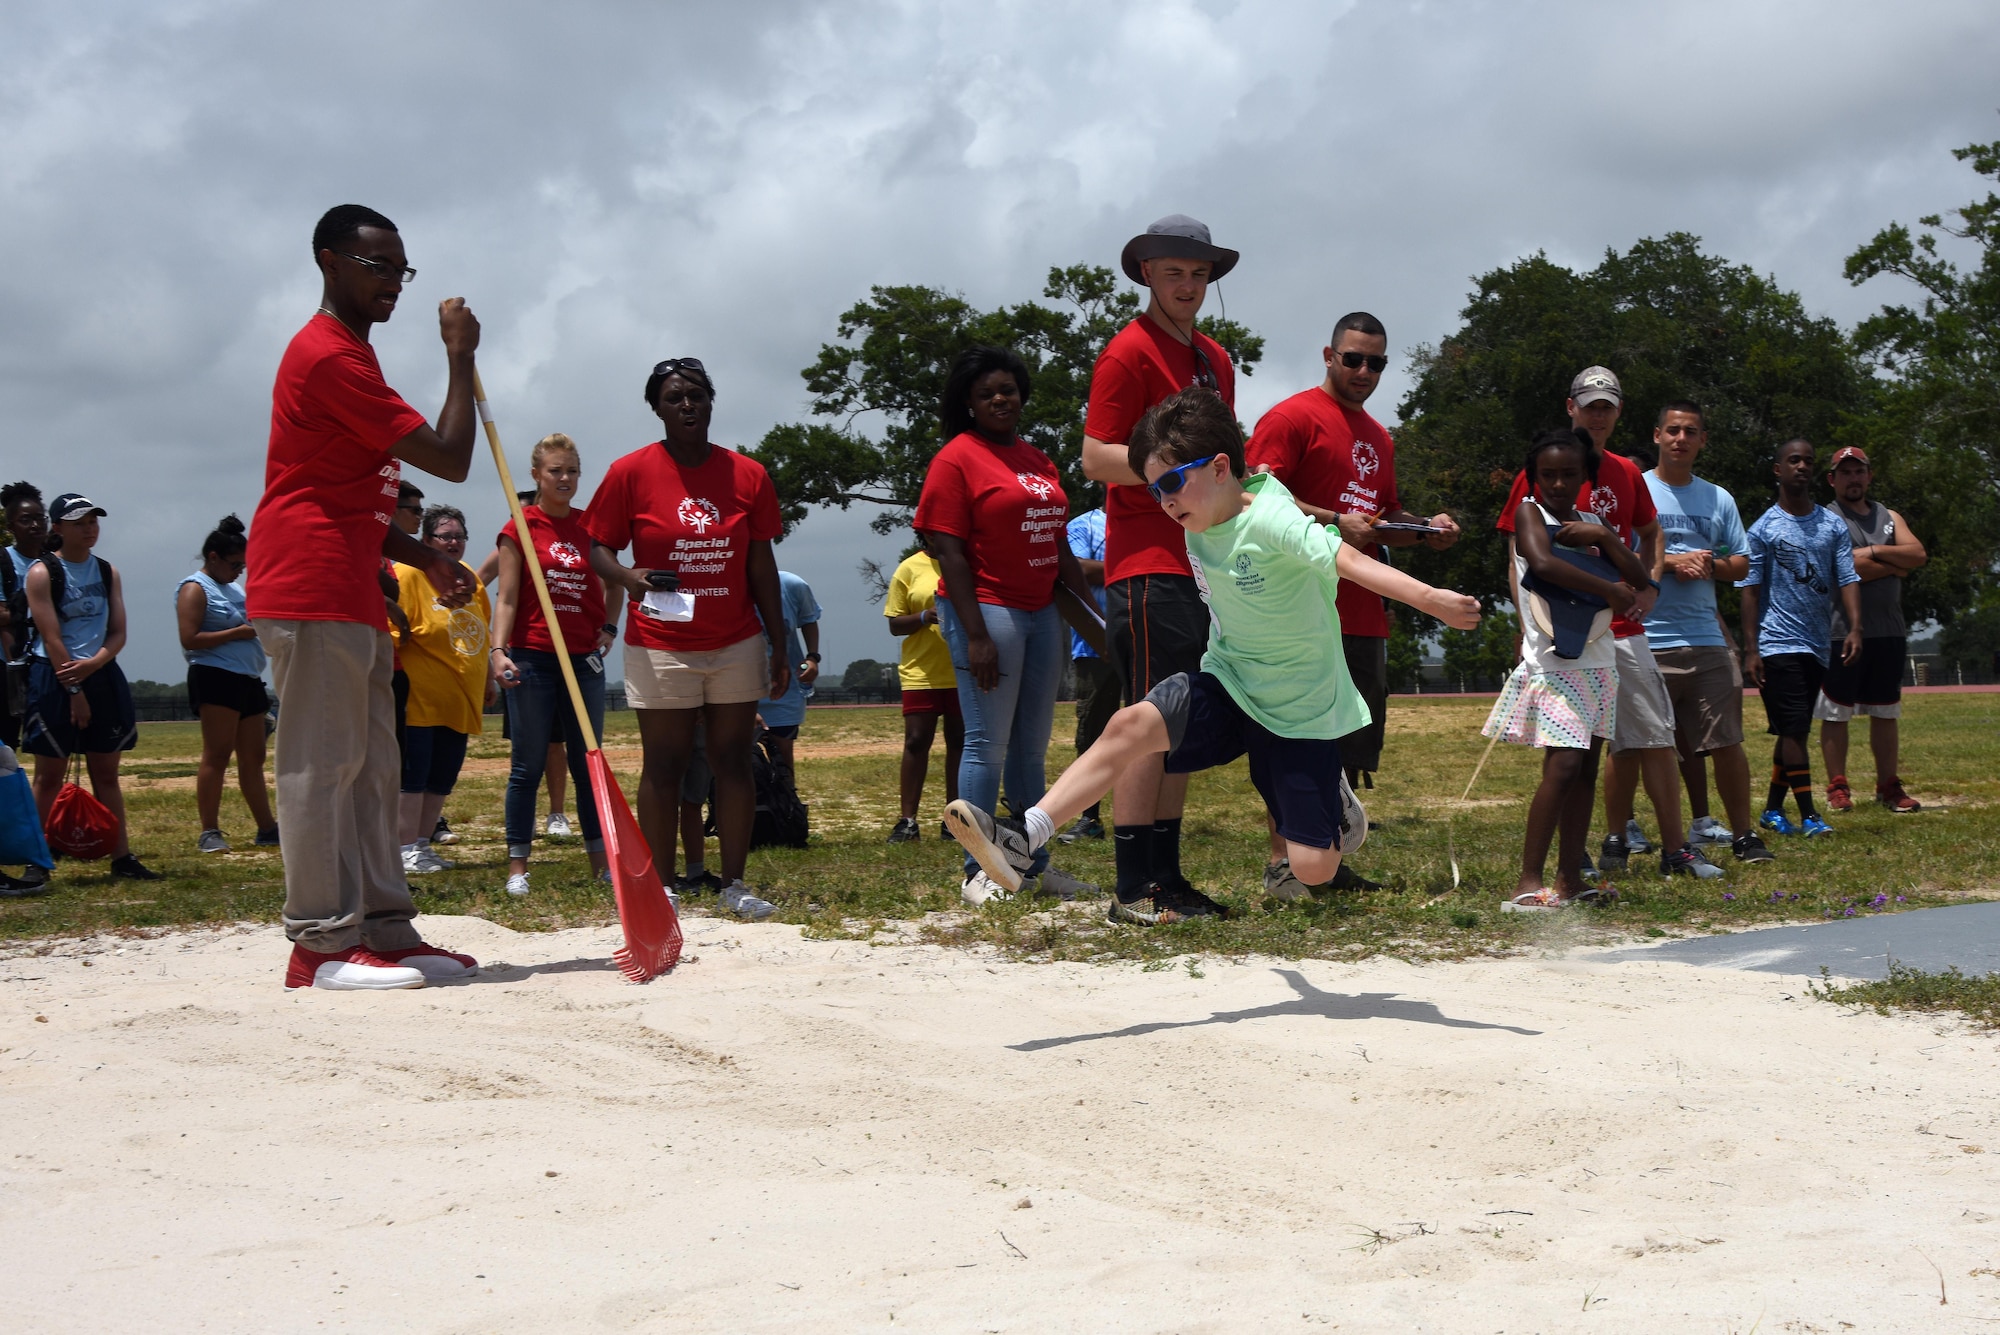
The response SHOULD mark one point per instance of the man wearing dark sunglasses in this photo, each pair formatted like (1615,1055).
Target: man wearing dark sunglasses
(1339,463)
(339,438)
(1155,621)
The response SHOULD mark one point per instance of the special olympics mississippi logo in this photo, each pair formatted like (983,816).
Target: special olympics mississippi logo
(566,554)
(1603,503)
(1243,563)
(1037,486)
(698,513)
(1366,461)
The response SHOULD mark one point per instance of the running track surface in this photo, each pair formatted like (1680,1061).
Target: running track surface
(1965,936)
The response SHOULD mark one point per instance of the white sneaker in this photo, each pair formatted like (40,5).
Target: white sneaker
(558,827)
(418,860)
(517,885)
(1709,830)
(979,888)
(1353,820)
(431,856)
(736,897)
(1061,885)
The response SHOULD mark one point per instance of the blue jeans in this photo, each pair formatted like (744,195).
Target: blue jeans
(1007,728)
(538,711)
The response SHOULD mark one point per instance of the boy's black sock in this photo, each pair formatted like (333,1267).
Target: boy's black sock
(1800,779)
(1774,800)
(1167,850)
(1093,813)
(1132,851)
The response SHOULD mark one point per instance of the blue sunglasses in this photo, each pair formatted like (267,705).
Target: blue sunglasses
(1174,479)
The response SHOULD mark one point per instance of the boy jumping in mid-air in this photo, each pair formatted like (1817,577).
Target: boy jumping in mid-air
(1273,683)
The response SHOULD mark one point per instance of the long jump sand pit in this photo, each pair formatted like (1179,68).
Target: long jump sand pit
(794,1135)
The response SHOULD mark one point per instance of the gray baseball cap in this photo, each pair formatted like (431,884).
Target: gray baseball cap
(1180,237)
(1596,384)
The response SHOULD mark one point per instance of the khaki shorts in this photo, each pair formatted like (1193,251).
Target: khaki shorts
(1645,720)
(686,679)
(1705,687)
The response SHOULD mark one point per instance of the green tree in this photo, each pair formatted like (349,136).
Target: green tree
(867,674)
(1481,657)
(877,389)
(1406,656)
(1935,438)
(1673,323)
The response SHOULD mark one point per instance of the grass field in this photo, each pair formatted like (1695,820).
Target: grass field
(850,883)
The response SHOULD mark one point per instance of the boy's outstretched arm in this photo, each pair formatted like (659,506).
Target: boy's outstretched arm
(1460,611)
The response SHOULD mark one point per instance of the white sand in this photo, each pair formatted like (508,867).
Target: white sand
(795,1135)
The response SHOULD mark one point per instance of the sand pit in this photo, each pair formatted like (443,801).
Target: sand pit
(809,1135)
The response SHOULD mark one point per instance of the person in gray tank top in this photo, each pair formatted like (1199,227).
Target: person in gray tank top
(1884,552)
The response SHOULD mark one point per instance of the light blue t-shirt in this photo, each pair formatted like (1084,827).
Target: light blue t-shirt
(1086,543)
(801,609)
(1697,517)
(86,608)
(223,610)
(1799,562)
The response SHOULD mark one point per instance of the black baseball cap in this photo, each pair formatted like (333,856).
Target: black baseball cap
(73,505)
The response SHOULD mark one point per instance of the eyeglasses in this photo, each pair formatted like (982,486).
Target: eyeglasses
(387,272)
(1173,479)
(447,537)
(1354,361)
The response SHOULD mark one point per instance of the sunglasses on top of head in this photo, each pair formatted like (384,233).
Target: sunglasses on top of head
(1174,479)
(1354,361)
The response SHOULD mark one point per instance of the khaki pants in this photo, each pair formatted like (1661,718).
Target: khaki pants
(338,772)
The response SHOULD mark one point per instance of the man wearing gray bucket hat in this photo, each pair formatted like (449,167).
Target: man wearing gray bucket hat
(1155,621)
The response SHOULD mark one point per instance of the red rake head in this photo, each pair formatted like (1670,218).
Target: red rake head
(652,928)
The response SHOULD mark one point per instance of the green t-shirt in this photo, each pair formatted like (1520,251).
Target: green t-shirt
(1268,579)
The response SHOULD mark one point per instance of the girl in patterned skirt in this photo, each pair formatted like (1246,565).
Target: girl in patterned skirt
(1561,702)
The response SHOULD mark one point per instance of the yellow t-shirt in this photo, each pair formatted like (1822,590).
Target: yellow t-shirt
(926,664)
(447,687)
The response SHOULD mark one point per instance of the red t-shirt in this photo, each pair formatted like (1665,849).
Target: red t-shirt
(329,481)
(697,522)
(1620,498)
(1334,458)
(563,548)
(1141,365)
(1006,504)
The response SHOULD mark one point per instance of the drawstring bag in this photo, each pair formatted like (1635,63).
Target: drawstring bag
(21,842)
(80,826)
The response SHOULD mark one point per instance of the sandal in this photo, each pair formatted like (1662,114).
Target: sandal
(1534,901)
(1594,894)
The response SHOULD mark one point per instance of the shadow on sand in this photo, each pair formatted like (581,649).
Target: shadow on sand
(1310,1001)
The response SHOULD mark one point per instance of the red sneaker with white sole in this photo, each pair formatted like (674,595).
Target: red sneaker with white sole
(1839,796)
(437,964)
(1892,796)
(355,970)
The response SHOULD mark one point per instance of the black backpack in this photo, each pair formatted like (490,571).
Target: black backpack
(781,818)
(58,587)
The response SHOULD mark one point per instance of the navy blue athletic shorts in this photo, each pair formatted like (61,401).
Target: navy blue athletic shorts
(1298,777)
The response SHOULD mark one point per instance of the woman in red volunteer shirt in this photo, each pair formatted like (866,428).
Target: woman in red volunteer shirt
(524,652)
(700,520)
(994,511)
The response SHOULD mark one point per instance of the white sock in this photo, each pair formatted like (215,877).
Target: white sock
(1040,828)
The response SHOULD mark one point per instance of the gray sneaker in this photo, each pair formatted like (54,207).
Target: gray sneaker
(1056,884)
(1001,851)
(1635,838)
(1353,820)
(1281,884)
(736,897)
(211,841)
(1688,862)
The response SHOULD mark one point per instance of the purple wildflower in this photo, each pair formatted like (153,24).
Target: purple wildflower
(1727,896)
(1848,913)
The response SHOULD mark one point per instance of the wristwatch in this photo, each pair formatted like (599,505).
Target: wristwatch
(812,658)
(610,628)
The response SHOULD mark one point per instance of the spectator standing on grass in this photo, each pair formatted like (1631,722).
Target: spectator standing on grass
(78,699)
(1872,685)
(929,685)
(451,683)
(785,715)
(993,509)
(225,685)
(316,544)
(28,527)
(556,764)
(1096,680)
(704,642)
(409,517)
(524,650)
(1704,542)
(1156,623)
(1642,739)
(1801,562)
(1339,463)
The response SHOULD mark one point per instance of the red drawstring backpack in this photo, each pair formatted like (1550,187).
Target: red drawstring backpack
(79,825)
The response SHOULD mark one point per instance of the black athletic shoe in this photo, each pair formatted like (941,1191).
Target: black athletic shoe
(13,887)
(33,875)
(1347,879)
(694,885)
(1614,856)
(1086,827)
(442,834)
(1182,898)
(1749,848)
(131,869)
(905,832)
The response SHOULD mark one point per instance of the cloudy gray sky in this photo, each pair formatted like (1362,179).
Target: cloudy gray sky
(609,184)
